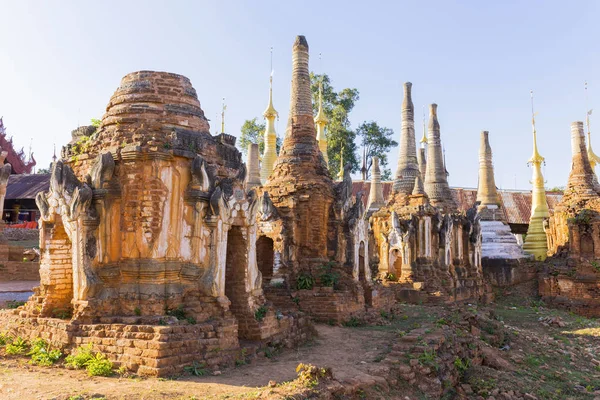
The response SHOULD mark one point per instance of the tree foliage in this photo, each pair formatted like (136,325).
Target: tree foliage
(376,141)
(253,131)
(337,106)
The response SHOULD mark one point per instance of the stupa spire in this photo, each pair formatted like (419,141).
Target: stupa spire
(436,180)
(486,189)
(535,241)
(594,159)
(223,108)
(270,138)
(423,140)
(376,199)
(300,157)
(582,180)
(408,167)
(322,121)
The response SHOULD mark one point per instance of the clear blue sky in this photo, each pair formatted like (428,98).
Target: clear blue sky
(60,62)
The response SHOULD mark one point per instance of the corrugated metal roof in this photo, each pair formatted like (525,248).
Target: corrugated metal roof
(26,186)
(515,203)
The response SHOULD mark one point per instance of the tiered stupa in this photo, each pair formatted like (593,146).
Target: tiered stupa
(499,247)
(436,179)
(321,122)
(145,219)
(270,139)
(408,167)
(572,281)
(535,241)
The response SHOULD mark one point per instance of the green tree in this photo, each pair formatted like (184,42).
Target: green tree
(337,106)
(96,122)
(254,132)
(376,141)
(43,171)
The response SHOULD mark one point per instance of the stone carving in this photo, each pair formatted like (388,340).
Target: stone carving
(200,177)
(266,208)
(102,170)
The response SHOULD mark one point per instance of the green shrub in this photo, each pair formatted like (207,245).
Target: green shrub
(99,366)
(18,346)
(462,365)
(329,279)
(197,369)
(178,312)
(260,313)
(5,338)
(353,322)
(42,355)
(391,277)
(137,311)
(80,357)
(12,304)
(305,281)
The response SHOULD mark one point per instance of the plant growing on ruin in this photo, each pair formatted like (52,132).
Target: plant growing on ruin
(18,346)
(62,313)
(178,312)
(391,277)
(99,365)
(41,354)
(242,359)
(462,365)
(309,375)
(5,338)
(596,266)
(80,357)
(328,277)
(12,304)
(260,313)
(428,359)
(353,322)
(305,281)
(584,218)
(137,311)
(196,369)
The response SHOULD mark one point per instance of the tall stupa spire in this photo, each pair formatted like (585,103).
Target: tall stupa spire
(408,167)
(423,140)
(436,180)
(582,183)
(223,108)
(300,157)
(486,189)
(535,241)
(321,121)
(270,139)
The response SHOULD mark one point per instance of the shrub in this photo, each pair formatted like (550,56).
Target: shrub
(12,304)
(462,365)
(309,375)
(42,355)
(305,281)
(391,277)
(353,322)
(99,366)
(260,313)
(5,339)
(178,312)
(18,346)
(80,357)
(197,369)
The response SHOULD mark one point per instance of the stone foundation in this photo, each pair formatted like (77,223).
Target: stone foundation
(19,271)
(147,348)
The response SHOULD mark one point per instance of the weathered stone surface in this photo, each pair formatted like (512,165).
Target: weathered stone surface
(436,182)
(408,167)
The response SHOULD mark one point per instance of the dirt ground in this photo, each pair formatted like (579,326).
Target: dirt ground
(553,354)
(346,348)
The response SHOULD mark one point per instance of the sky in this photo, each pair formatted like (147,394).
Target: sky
(61,61)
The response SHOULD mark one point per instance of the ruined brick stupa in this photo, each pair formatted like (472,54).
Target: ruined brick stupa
(573,232)
(146,219)
(424,248)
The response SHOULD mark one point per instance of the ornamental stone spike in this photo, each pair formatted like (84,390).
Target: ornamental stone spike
(418,189)
(582,180)
(408,167)
(487,193)
(436,181)
(376,199)
(253,178)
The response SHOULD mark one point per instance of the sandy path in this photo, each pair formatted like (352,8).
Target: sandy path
(348,351)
